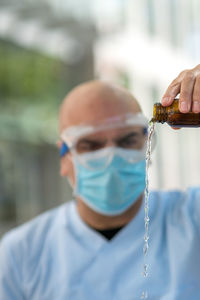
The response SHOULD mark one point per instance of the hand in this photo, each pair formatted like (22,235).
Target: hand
(188,85)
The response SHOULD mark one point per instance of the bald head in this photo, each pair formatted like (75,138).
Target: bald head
(95,101)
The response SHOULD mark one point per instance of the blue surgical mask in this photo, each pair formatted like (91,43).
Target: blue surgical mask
(114,188)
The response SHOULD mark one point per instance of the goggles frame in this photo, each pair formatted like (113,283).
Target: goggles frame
(71,134)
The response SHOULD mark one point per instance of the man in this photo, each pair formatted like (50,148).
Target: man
(92,248)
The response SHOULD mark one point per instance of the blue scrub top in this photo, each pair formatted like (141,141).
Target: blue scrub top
(57,256)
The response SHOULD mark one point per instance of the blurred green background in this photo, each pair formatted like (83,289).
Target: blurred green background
(43,54)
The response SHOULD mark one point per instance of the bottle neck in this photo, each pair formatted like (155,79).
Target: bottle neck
(159,113)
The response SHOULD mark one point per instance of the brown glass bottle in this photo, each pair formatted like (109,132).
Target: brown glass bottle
(172,116)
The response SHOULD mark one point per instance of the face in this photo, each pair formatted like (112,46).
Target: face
(94,109)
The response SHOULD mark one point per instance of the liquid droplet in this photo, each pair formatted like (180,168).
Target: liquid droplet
(144,295)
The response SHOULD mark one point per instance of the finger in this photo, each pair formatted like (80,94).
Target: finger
(171,92)
(196,96)
(187,86)
(197,70)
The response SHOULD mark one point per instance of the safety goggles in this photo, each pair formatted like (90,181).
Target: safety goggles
(86,141)
(132,128)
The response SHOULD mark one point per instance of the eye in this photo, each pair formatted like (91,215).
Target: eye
(129,141)
(87,146)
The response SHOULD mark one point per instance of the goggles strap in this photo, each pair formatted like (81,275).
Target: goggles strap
(64,149)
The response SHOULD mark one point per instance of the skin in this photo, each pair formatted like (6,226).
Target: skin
(89,102)
(187,83)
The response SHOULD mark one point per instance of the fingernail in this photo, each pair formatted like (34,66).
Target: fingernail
(184,106)
(166,100)
(196,106)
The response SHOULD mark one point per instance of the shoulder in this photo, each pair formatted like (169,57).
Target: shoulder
(25,249)
(176,204)
(36,231)
(166,199)
(175,197)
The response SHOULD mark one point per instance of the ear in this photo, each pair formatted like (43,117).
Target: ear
(66,165)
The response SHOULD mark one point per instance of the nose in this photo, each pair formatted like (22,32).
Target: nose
(110,143)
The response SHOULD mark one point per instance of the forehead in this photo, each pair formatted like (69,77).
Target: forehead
(93,105)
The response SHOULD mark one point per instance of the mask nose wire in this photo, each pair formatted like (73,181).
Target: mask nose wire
(110,144)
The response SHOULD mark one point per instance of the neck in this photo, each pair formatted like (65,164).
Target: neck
(100,222)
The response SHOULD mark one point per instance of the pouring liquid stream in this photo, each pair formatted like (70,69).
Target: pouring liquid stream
(146,206)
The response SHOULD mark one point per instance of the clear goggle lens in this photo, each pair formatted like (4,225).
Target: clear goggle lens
(101,159)
(89,142)
(132,138)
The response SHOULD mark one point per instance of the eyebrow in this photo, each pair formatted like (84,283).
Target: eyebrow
(93,140)
(130,134)
(89,141)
